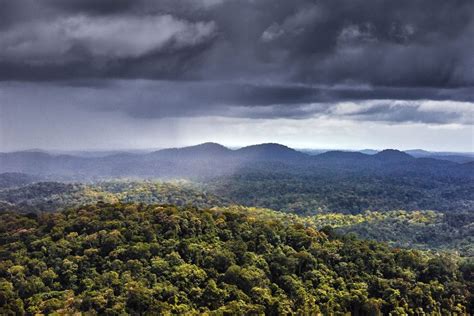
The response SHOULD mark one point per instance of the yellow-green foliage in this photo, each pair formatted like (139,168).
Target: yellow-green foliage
(336,220)
(113,259)
(419,229)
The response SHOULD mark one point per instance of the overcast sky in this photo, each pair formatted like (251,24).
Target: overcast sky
(116,74)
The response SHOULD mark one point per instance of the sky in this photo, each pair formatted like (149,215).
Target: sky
(131,74)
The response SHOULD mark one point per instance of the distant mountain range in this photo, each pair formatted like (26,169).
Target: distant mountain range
(450,156)
(212,159)
(459,157)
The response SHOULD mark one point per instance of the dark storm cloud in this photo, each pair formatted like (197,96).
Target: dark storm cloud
(402,43)
(151,99)
(247,58)
(92,6)
(415,112)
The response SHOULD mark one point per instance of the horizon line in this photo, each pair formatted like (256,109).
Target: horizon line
(298,148)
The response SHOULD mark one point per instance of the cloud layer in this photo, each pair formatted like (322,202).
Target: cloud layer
(377,61)
(70,39)
(149,100)
(426,43)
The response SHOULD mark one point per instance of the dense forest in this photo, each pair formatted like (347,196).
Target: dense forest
(208,161)
(266,175)
(451,230)
(55,196)
(134,258)
(255,242)
(345,191)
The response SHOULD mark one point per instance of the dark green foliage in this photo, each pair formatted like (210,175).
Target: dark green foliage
(15,179)
(417,229)
(131,258)
(54,196)
(306,192)
(278,177)
(451,230)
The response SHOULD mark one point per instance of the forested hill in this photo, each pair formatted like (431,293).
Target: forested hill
(272,176)
(210,160)
(15,179)
(126,258)
(448,230)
